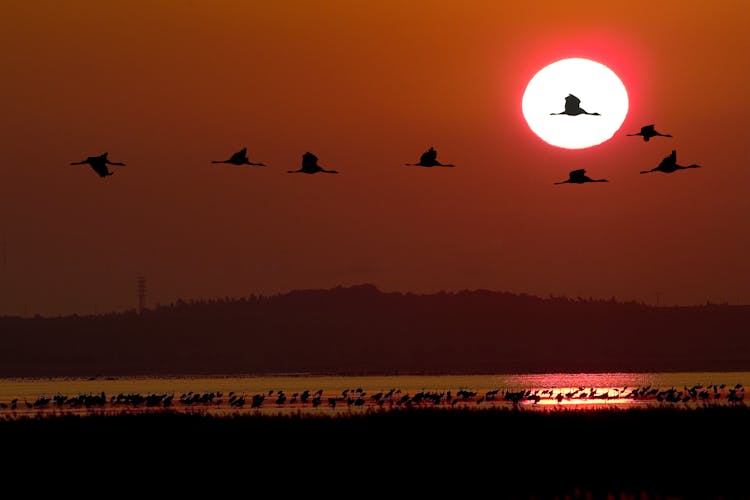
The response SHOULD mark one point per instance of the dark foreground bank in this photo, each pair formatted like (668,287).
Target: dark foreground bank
(700,453)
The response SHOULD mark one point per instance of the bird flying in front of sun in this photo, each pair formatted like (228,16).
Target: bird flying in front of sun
(594,100)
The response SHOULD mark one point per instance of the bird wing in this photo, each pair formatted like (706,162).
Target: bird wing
(572,105)
(571,99)
(428,157)
(238,157)
(577,174)
(309,160)
(100,168)
(669,161)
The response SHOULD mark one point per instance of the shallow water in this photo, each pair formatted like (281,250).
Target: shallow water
(587,389)
(31,388)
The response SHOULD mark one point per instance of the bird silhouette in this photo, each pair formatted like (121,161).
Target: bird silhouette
(239,158)
(99,164)
(310,166)
(429,159)
(669,165)
(579,177)
(648,132)
(573,107)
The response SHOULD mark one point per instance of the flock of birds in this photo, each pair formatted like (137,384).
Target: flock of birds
(309,163)
(668,165)
(100,164)
(393,398)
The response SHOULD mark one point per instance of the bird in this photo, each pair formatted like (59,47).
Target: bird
(99,164)
(239,158)
(573,107)
(429,159)
(648,132)
(669,165)
(310,166)
(579,177)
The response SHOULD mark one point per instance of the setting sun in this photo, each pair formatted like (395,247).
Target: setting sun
(594,93)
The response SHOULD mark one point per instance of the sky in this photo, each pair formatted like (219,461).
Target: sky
(168,86)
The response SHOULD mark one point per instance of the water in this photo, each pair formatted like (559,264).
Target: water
(581,388)
(31,388)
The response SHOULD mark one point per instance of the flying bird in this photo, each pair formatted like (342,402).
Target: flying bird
(310,166)
(239,158)
(579,177)
(573,107)
(429,159)
(669,165)
(648,132)
(99,164)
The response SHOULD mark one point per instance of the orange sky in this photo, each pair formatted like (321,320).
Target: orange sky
(167,86)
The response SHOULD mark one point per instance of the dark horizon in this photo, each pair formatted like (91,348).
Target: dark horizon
(658,301)
(361,330)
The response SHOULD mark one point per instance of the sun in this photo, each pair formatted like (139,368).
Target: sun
(597,87)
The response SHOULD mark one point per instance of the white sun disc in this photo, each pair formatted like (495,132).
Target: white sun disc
(599,89)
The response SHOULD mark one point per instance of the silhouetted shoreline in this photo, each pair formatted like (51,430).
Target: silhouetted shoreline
(662,452)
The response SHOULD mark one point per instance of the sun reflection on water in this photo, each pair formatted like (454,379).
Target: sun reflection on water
(334,395)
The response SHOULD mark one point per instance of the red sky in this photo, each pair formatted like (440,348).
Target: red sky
(167,86)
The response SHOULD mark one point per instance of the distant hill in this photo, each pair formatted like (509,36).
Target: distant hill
(360,330)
